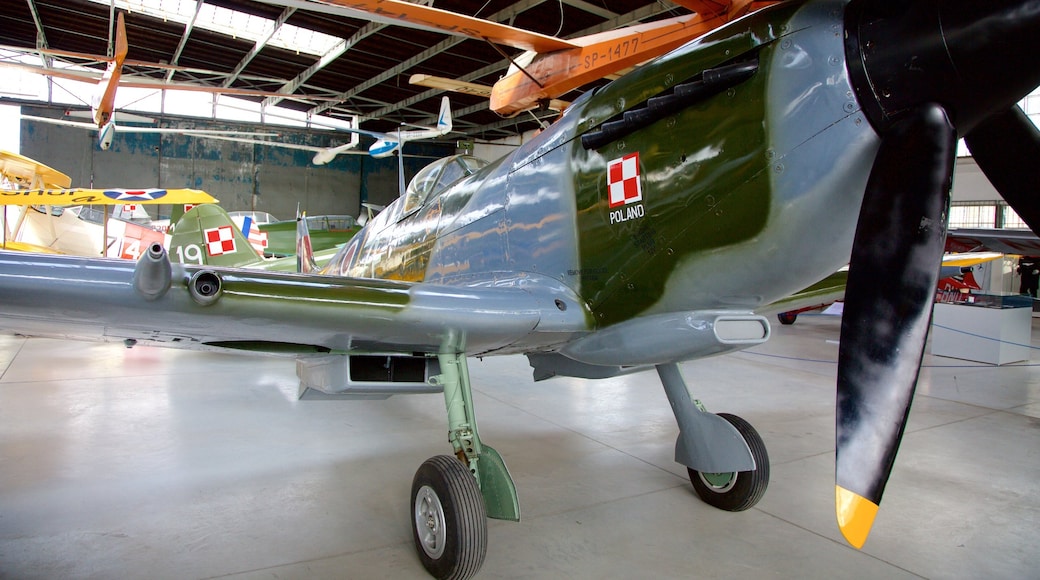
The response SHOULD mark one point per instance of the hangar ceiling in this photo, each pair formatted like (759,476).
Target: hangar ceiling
(366,74)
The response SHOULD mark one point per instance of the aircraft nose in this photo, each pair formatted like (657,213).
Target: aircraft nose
(974,58)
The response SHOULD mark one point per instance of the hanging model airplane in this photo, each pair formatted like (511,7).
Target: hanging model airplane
(107,133)
(783,141)
(103,109)
(102,103)
(552,66)
(388,143)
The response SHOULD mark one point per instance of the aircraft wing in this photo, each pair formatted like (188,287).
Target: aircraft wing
(1005,241)
(968,259)
(214,133)
(82,196)
(274,313)
(400,13)
(825,291)
(375,134)
(30,173)
(139,76)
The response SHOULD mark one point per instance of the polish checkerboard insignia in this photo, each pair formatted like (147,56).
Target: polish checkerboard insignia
(623,185)
(220,241)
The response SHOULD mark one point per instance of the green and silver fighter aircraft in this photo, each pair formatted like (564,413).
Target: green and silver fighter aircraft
(785,142)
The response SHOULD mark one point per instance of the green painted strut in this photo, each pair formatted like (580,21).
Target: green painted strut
(496,485)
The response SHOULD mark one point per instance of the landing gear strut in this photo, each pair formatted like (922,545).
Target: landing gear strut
(738,490)
(452,497)
(724,455)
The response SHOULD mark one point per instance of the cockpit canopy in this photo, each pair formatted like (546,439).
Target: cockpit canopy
(436,177)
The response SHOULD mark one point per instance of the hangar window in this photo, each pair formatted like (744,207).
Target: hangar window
(436,177)
(984,214)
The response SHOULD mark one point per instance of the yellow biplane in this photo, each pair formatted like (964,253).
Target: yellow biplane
(50,216)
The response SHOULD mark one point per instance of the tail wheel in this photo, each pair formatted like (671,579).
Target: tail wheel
(449,520)
(740,490)
(787,318)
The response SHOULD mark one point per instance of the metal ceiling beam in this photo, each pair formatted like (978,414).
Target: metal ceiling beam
(392,72)
(335,52)
(590,8)
(41,38)
(260,44)
(184,37)
(497,125)
(431,93)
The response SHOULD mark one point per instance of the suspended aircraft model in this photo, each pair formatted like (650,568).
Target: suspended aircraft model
(785,140)
(388,143)
(107,133)
(103,102)
(551,66)
(103,110)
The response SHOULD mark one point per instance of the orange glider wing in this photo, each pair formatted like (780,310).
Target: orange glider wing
(600,55)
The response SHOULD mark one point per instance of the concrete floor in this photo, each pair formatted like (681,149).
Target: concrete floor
(152,463)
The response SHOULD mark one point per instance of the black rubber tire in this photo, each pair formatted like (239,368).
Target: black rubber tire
(787,318)
(451,541)
(744,488)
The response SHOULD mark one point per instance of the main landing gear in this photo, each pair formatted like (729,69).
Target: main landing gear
(452,497)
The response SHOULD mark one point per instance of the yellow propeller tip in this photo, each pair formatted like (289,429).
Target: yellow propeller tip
(855,515)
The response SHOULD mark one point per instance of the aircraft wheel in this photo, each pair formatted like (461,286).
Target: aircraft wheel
(741,490)
(787,318)
(449,520)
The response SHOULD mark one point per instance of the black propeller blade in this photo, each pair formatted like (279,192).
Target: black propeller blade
(924,72)
(892,278)
(1007,148)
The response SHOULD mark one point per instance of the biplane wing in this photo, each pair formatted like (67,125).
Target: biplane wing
(84,196)
(24,172)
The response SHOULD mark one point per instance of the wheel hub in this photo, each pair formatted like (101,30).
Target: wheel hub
(719,482)
(429,522)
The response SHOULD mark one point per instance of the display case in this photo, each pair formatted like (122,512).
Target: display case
(985,327)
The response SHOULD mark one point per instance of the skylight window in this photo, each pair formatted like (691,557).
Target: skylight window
(232,23)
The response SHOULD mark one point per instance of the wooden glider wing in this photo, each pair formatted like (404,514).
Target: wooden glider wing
(406,14)
(554,74)
(560,65)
